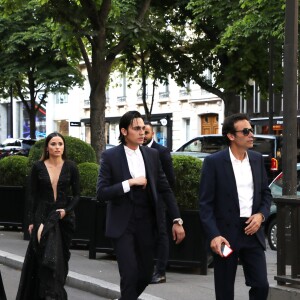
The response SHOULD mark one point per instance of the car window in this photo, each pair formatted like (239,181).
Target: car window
(27,144)
(213,144)
(193,146)
(15,143)
(264,146)
(276,187)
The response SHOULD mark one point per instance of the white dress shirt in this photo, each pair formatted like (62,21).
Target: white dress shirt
(244,183)
(136,165)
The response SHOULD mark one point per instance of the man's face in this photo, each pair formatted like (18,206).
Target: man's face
(134,135)
(243,138)
(148,135)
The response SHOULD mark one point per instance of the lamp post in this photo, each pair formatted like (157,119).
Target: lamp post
(290,99)
(11,112)
(289,201)
(271,92)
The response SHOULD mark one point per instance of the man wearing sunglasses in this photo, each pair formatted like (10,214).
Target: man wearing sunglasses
(235,200)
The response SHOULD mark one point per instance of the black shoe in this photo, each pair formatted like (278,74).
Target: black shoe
(158,278)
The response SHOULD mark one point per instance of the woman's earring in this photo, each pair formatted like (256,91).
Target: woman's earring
(47,153)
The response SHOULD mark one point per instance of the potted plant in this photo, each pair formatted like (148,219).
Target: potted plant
(85,211)
(13,177)
(192,251)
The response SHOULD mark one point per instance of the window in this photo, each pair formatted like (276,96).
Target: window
(186,126)
(61,98)
(194,146)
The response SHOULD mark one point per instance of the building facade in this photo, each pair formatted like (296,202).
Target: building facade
(179,113)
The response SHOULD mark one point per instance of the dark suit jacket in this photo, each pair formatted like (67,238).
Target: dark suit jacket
(166,162)
(113,171)
(218,197)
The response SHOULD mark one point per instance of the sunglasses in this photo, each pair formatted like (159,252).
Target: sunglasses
(245,131)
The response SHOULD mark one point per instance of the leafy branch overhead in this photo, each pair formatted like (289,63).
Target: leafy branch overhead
(30,65)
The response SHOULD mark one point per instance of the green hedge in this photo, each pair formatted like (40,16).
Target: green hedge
(14,170)
(88,173)
(187,172)
(77,151)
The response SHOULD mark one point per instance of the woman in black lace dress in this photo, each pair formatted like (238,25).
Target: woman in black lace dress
(52,222)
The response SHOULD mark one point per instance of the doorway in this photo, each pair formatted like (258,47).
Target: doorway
(209,124)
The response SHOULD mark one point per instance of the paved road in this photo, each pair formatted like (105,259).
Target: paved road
(11,279)
(102,272)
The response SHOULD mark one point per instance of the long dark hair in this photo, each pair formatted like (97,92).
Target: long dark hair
(45,154)
(127,120)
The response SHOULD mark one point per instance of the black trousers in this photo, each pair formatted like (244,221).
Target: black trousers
(162,246)
(135,254)
(251,255)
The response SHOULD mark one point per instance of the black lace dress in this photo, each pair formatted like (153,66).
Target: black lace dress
(46,262)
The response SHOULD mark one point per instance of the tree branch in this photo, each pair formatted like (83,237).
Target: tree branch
(124,42)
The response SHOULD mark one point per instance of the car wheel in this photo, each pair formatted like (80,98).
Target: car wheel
(272,234)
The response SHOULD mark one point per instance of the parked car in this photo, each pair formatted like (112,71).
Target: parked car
(271,222)
(268,145)
(13,146)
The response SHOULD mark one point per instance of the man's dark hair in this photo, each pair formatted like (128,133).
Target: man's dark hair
(228,125)
(125,121)
(146,122)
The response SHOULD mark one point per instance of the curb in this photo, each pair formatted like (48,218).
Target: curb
(82,282)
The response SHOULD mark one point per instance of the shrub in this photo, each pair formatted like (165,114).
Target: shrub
(88,173)
(14,170)
(77,150)
(187,172)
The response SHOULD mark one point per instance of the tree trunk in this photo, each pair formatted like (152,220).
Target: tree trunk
(231,104)
(32,114)
(98,106)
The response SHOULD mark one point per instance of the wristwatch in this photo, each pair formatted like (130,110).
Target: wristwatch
(178,221)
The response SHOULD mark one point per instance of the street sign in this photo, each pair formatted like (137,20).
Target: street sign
(78,124)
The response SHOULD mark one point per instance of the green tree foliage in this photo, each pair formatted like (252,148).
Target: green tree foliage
(144,59)
(101,30)
(30,65)
(233,38)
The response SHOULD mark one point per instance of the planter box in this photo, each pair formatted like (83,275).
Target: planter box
(193,250)
(12,206)
(84,217)
(98,241)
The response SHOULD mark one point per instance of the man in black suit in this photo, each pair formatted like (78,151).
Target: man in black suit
(234,201)
(159,275)
(130,181)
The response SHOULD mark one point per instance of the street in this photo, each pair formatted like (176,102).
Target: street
(11,279)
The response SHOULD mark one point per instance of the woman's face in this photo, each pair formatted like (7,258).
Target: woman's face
(56,147)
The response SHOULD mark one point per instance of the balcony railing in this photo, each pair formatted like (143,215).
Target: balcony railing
(86,103)
(121,99)
(164,95)
(184,92)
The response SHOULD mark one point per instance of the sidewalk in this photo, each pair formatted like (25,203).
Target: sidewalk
(100,276)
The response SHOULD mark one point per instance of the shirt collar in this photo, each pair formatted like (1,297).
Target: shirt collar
(235,160)
(150,144)
(131,152)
